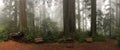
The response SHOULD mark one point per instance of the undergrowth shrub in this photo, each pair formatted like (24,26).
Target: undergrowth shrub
(65,38)
(51,37)
(81,37)
(49,30)
(3,34)
(118,36)
(28,37)
(99,38)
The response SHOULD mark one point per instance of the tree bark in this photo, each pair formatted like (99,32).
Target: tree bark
(65,16)
(93,18)
(119,12)
(79,17)
(22,18)
(69,16)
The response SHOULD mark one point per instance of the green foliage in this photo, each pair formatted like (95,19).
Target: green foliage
(9,24)
(3,36)
(2,28)
(49,26)
(48,31)
(3,33)
(51,37)
(64,38)
(80,37)
(99,38)
(118,36)
(28,37)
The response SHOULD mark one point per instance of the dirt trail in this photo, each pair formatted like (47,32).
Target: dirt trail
(12,45)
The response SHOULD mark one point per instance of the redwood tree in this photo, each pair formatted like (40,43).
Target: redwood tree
(93,18)
(22,17)
(69,16)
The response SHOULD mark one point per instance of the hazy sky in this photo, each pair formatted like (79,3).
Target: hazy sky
(1,3)
(1,6)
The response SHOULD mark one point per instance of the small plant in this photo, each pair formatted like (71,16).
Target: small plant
(65,38)
(99,38)
(81,37)
(28,37)
(49,30)
(49,26)
(118,36)
(51,37)
(3,34)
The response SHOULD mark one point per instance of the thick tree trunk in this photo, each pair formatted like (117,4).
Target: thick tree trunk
(69,16)
(72,16)
(22,18)
(66,16)
(93,18)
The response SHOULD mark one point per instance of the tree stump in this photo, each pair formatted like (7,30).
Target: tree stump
(38,40)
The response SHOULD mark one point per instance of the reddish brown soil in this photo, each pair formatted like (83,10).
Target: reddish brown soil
(12,45)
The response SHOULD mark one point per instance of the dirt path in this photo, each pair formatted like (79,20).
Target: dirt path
(12,45)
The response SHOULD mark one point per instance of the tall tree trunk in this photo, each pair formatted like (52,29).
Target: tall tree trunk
(85,11)
(33,22)
(116,13)
(66,16)
(23,18)
(31,16)
(15,14)
(44,8)
(72,16)
(79,17)
(93,18)
(119,11)
(69,16)
(110,15)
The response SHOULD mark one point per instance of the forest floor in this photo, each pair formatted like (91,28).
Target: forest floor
(13,45)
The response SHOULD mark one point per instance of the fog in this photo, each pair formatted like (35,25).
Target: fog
(53,9)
